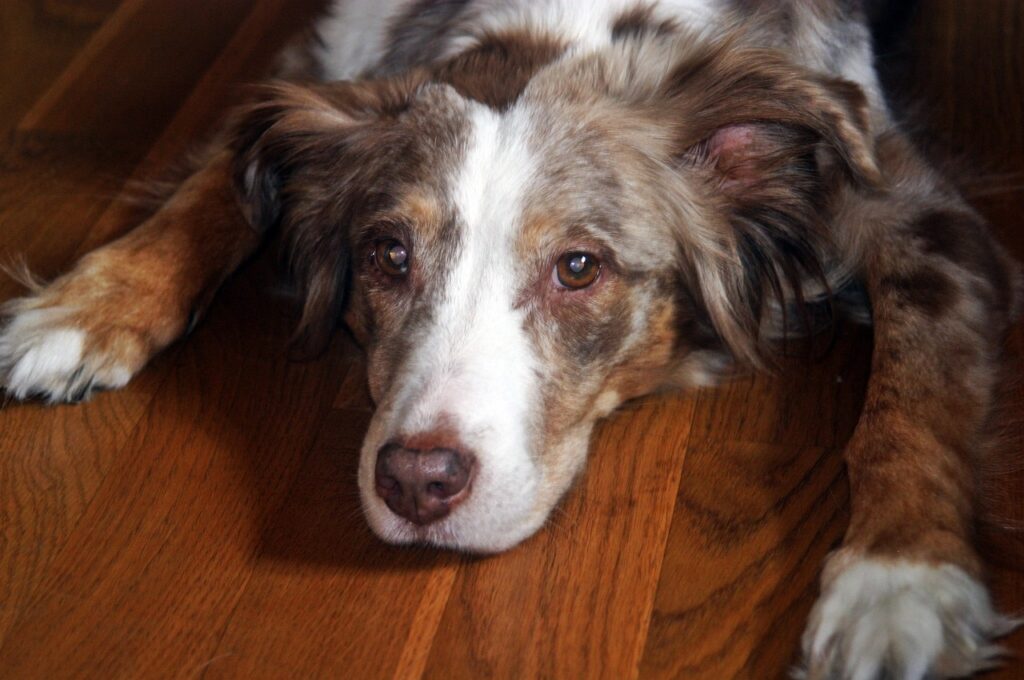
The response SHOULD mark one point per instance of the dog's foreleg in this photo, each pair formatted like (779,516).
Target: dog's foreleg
(97,325)
(903,596)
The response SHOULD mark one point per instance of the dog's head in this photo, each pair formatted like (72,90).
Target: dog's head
(519,255)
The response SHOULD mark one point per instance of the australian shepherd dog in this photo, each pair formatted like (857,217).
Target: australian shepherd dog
(531,211)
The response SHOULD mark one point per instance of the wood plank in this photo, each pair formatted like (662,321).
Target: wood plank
(810,399)
(965,75)
(58,176)
(405,592)
(37,41)
(245,59)
(146,45)
(52,460)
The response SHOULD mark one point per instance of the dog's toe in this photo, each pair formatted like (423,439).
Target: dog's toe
(880,619)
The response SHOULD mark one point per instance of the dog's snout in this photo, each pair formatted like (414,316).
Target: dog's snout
(422,485)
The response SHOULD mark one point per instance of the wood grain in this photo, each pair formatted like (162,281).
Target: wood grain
(205,521)
(37,41)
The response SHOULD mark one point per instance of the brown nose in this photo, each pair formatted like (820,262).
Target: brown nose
(422,486)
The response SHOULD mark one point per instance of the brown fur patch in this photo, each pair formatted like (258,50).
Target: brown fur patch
(640,21)
(963,239)
(925,288)
(643,369)
(903,508)
(444,435)
(496,71)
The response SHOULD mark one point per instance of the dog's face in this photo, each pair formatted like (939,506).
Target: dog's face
(506,300)
(515,272)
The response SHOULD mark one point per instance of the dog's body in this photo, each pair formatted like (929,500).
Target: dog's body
(531,211)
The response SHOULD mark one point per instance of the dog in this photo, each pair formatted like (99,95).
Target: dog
(530,212)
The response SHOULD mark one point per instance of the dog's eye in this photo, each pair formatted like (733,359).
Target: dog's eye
(577,270)
(391,257)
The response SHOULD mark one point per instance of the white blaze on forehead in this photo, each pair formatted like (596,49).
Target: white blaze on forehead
(498,165)
(474,369)
(476,360)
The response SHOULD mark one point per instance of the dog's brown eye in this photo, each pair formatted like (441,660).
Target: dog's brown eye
(391,257)
(577,269)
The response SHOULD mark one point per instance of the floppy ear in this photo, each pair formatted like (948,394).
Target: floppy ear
(310,160)
(766,143)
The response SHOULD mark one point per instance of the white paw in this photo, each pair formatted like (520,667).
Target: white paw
(900,620)
(43,354)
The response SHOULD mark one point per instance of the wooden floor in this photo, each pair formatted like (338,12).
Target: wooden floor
(204,521)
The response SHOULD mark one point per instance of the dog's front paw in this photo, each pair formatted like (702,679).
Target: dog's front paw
(46,353)
(897,619)
(91,329)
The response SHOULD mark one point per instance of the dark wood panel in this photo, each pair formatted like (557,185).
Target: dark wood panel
(37,41)
(345,604)
(137,69)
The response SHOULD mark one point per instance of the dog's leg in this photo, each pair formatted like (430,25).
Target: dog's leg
(97,325)
(903,596)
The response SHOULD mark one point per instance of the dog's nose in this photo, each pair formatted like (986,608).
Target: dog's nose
(422,486)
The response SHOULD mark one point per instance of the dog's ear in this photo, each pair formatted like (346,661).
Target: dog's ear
(764,143)
(309,160)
